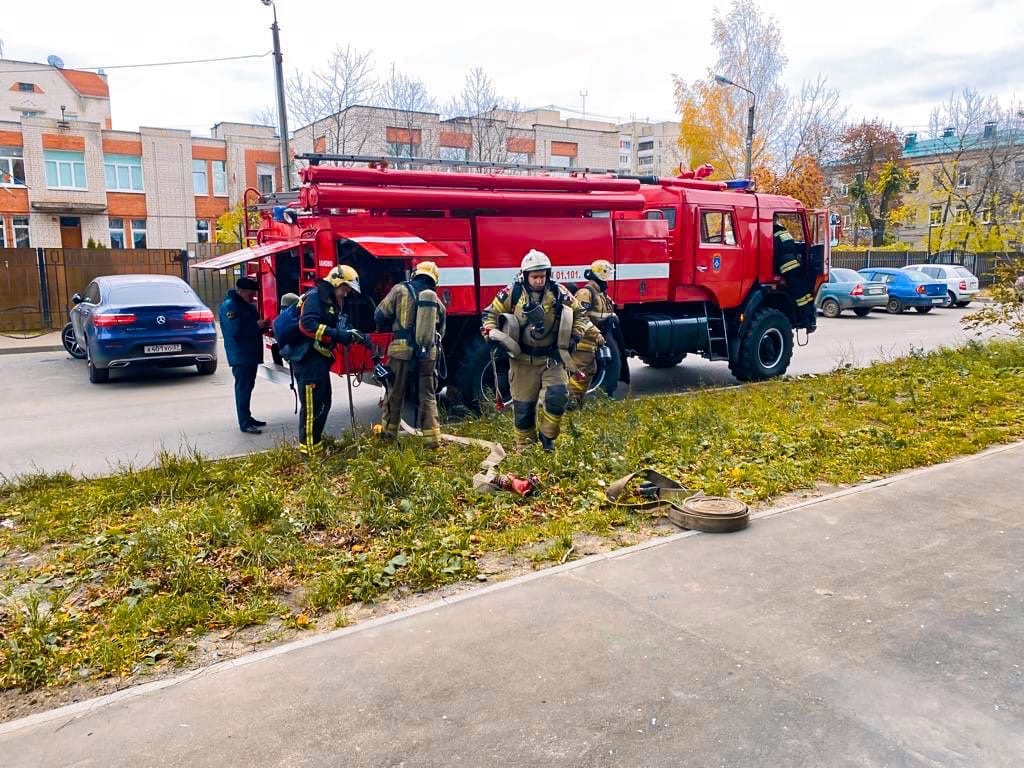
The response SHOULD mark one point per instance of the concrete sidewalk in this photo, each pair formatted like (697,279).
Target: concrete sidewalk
(878,627)
(13,343)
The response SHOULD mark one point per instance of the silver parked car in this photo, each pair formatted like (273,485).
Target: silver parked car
(961,283)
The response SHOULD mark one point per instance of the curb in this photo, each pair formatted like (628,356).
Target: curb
(28,349)
(81,708)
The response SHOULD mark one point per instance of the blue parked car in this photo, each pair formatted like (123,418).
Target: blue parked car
(908,288)
(126,321)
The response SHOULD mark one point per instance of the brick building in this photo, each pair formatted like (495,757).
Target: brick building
(67,178)
(534,137)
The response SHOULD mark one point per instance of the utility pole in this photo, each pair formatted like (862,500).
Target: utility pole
(722,80)
(583,93)
(282,111)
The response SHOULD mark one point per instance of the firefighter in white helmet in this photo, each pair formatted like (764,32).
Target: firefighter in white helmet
(536,322)
(600,311)
(323,325)
(415,316)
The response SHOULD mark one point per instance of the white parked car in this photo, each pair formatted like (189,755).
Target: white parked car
(961,283)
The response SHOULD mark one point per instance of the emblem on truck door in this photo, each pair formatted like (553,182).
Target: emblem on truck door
(716,263)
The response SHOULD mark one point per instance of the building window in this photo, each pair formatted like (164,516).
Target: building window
(202,231)
(625,144)
(12,167)
(3,233)
(624,161)
(561,161)
(138,233)
(910,219)
(21,237)
(645,161)
(847,221)
(265,179)
(935,215)
(1018,169)
(64,170)
(645,146)
(844,189)
(963,179)
(27,87)
(123,173)
(116,233)
(460,154)
(199,185)
(961,216)
(220,179)
(518,158)
(986,215)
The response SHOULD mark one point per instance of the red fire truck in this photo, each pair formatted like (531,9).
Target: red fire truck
(693,257)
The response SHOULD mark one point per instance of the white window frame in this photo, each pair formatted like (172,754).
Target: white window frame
(72,162)
(562,161)
(961,215)
(8,157)
(26,229)
(264,170)
(3,232)
(986,215)
(199,171)
(963,179)
(935,215)
(201,232)
(220,178)
(138,229)
(122,166)
(111,229)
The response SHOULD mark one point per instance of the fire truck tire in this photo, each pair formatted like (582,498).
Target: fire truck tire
(610,381)
(663,361)
(469,374)
(765,348)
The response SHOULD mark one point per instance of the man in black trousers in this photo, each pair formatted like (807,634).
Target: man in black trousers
(242,329)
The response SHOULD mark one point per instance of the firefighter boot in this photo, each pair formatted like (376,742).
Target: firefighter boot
(547,443)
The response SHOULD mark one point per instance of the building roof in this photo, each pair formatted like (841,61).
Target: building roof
(86,83)
(948,145)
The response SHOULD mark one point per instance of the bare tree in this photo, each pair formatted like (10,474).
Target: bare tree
(490,119)
(978,173)
(406,99)
(333,95)
(751,53)
(815,129)
(265,115)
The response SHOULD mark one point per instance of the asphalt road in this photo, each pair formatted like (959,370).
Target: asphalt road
(54,419)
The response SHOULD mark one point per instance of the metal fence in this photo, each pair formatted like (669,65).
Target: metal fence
(36,284)
(981,264)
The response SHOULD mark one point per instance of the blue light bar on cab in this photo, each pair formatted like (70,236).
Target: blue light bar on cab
(739,184)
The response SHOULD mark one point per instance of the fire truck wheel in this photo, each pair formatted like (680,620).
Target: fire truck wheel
(663,361)
(610,380)
(766,347)
(473,380)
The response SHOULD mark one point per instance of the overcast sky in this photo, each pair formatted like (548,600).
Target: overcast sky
(894,60)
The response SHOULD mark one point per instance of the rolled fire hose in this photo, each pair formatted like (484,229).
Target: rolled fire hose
(685,508)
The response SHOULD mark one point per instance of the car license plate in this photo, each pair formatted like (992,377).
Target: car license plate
(875,291)
(937,301)
(155,349)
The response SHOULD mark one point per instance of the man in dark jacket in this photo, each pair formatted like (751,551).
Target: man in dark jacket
(242,329)
(323,325)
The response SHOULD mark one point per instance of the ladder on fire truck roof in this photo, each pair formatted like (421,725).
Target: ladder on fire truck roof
(315,158)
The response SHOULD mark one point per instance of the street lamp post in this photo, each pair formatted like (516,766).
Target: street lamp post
(282,113)
(722,80)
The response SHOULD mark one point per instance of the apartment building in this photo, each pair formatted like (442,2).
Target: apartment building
(67,178)
(533,137)
(965,192)
(647,148)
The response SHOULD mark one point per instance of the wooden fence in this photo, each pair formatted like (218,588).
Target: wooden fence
(36,284)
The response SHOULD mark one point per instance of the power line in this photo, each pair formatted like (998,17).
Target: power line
(149,64)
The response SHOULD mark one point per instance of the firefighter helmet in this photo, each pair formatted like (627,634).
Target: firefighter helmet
(429,269)
(343,274)
(535,260)
(602,270)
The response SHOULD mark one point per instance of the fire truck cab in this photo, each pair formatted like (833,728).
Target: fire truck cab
(693,258)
